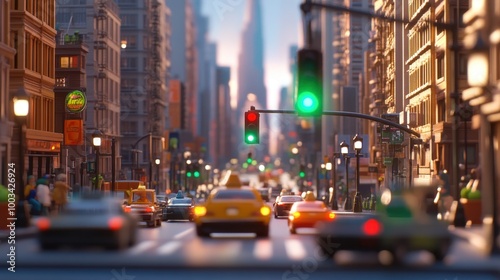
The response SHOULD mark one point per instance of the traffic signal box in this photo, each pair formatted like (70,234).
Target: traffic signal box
(302,171)
(252,127)
(309,91)
(249,158)
(189,170)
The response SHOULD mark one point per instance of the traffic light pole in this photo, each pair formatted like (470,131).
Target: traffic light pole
(347,114)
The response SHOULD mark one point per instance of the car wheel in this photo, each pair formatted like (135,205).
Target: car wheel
(264,232)
(398,254)
(292,229)
(442,250)
(201,233)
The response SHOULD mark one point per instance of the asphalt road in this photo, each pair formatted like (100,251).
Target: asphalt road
(173,251)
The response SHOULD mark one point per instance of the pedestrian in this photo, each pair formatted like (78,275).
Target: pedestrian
(43,195)
(60,193)
(30,186)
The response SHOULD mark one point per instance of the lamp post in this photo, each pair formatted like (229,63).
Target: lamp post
(358,145)
(187,162)
(334,203)
(344,150)
(96,141)
(157,162)
(21,110)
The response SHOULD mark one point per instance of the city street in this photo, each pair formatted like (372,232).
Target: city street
(175,249)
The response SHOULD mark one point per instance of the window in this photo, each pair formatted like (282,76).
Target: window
(440,67)
(61,82)
(129,20)
(69,61)
(441,113)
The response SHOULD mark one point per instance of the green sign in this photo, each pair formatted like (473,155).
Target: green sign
(75,101)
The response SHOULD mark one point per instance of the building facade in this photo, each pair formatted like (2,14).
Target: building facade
(71,77)
(99,23)
(33,35)
(145,72)
(7,52)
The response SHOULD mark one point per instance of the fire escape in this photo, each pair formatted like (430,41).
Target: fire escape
(154,97)
(100,52)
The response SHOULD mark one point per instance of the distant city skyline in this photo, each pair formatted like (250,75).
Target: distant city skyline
(282,28)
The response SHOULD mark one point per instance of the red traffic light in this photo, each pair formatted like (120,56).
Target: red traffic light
(251,116)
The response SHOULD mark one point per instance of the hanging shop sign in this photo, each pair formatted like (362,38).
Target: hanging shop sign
(76,101)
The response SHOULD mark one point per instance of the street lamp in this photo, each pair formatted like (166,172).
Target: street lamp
(344,150)
(21,110)
(157,162)
(96,141)
(358,145)
(334,202)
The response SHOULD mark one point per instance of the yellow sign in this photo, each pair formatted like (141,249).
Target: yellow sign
(75,101)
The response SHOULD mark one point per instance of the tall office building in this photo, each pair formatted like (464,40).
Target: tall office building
(145,69)
(184,62)
(223,123)
(251,88)
(99,23)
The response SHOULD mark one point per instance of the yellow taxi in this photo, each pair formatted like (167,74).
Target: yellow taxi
(307,213)
(233,208)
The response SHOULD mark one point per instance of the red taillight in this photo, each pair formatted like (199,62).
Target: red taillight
(127,209)
(43,224)
(372,227)
(115,223)
(150,209)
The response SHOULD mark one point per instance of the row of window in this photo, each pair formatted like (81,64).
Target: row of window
(419,38)
(420,73)
(43,10)
(414,6)
(422,111)
(42,117)
(37,56)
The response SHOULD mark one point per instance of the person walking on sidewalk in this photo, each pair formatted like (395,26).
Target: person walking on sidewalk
(43,195)
(60,193)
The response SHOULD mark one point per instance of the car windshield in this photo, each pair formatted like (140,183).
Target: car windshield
(290,198)
(234,194)
(142,197)
(180,201)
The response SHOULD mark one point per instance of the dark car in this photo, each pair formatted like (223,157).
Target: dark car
(179,209)
(283,204)
(88,222)
(398,226)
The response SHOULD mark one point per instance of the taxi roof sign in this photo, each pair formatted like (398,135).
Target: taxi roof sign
(310,196)
(231,180)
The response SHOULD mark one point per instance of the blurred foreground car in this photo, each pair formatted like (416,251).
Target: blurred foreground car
(143,204)
(94,221)
(307,213)
(283,204)
(399,226)
(179,208)
(233,209)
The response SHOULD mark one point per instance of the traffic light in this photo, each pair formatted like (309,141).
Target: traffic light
(189,170)
(249,158)
(309,92)
(302,171)
(196,170)
(252,127)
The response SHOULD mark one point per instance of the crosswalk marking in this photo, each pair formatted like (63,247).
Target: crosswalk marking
(263,249)
(182,234)
(169,247)
(294,249)
(141,247)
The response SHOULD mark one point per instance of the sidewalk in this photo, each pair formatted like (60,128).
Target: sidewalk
(473,234)
(20,233)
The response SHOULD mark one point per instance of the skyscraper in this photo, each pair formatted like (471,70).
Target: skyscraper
(251,88)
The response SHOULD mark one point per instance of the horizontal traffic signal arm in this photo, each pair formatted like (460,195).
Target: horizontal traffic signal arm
(347,114)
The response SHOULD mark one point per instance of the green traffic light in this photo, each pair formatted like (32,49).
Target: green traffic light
(307,102)
(189,174)
(196,174)
(302,174)
(251,138)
